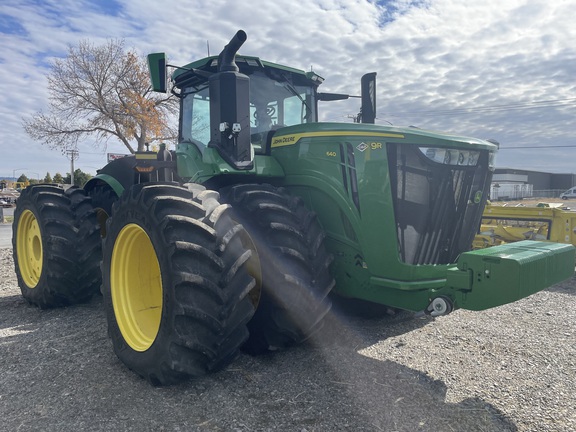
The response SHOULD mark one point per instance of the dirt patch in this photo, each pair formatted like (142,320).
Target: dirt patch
(511,368)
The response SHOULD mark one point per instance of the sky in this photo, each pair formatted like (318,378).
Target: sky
(489,69)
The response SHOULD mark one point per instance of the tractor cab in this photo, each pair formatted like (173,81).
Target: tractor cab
(278,96)
(236,104)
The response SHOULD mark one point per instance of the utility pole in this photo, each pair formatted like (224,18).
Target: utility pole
(72,155)
(14,176)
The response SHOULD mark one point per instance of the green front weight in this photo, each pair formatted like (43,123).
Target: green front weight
(503,274)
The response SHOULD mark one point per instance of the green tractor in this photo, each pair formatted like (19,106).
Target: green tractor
(237,238)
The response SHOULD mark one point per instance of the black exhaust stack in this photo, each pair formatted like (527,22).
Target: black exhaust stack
(230,107)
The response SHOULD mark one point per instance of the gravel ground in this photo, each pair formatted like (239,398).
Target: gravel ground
(511,368)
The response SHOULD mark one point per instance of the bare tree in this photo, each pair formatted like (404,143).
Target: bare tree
(103,91)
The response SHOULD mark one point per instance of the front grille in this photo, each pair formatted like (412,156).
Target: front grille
(437,206)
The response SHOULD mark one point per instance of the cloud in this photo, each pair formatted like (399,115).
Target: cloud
(441,64)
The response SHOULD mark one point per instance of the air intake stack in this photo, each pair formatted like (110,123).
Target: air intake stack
(230,107)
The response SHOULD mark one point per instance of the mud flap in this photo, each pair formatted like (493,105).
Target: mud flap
(498,275)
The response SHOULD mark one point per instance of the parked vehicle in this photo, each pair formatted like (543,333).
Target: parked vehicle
(570,193)
(235,239)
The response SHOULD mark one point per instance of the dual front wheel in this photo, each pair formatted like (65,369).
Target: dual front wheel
(175,282)
(182,273)
(296,278)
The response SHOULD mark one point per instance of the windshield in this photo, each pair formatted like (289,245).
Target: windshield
(273,104)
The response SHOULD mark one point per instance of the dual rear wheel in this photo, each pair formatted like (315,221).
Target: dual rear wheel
(56,246)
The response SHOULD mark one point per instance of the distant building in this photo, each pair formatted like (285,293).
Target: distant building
(540,180)
(512,183)
(7,182)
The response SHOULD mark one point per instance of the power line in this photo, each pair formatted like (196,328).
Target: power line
(537,147)
(490,108)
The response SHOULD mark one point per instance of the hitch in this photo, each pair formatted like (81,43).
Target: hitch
(440,306)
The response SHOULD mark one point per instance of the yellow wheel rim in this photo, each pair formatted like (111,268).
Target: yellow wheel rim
(136,287)
(29,249)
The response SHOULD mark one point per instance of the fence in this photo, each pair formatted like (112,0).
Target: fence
(510,191)
(551,193)
(519,192)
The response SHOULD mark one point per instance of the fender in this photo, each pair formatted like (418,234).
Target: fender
(118,174)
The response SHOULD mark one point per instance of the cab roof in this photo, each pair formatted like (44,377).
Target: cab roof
(184,76)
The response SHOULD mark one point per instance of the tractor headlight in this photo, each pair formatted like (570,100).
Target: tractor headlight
(491,160)
(451,156)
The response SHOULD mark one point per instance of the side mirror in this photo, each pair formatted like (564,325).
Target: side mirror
(157,68)
(368,86)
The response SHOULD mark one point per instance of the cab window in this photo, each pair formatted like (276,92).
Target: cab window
(274,103)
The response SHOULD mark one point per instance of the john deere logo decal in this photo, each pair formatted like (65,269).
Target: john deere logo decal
(477,197)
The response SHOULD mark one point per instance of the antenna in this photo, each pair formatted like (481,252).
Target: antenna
(208,46)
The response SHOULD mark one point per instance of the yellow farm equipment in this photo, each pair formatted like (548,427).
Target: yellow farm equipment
(546,221)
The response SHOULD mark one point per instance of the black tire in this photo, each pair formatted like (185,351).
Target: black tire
(103,198)
(296,277)
(56,246)
(181,260)
(89,241)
